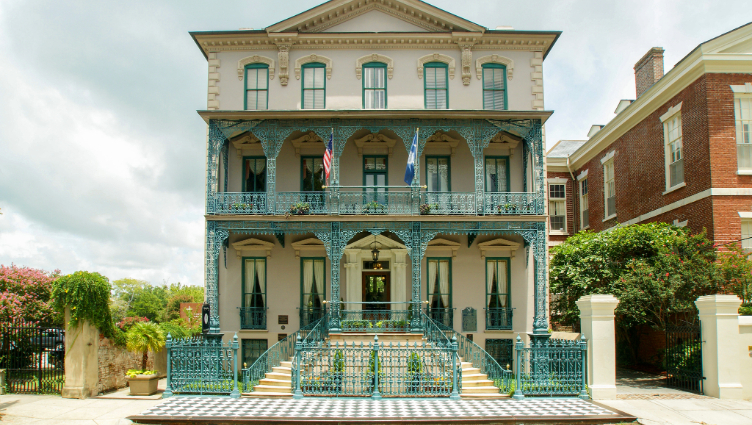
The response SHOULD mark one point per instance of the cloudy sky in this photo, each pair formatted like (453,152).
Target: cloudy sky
(102,153)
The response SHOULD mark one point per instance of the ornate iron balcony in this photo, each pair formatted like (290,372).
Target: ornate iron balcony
(357,200)
(498,318)
(442,316)
(310,315)
(252,317)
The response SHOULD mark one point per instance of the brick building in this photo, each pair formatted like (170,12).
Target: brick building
(680,153)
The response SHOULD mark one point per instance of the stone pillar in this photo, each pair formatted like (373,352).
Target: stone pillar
(2,381)
(719,319)
(353,285)
(399,280)
(81,363)
(597,322)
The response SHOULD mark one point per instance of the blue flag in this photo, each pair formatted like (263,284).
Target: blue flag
(410,170)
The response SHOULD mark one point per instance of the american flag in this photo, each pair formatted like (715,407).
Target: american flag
(328,156)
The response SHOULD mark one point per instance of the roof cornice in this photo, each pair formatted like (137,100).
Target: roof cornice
(374,114)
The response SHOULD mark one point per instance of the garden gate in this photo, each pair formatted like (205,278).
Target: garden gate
(684,352)
(33,356)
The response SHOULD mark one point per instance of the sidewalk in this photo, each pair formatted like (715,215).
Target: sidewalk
(53,409)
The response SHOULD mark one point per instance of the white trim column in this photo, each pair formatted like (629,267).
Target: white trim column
(597,323)
(353,276)
(399,280)
(719,319)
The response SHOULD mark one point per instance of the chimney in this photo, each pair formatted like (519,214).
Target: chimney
(648,70)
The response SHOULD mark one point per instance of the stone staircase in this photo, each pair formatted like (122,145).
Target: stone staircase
(278,383)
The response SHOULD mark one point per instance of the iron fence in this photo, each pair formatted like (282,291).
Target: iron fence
(511,203)
(252,317)
(550,367)
(33,357)
(499,318)
(442,316)
(240,203)
(684,356)
(202,366)
(447,203)
(310,315)
(302,203)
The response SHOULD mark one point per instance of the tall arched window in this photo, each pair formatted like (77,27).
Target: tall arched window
(374,85)
(494,86)
(436,85)
(314,86)
(256,86)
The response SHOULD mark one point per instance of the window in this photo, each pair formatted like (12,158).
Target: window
(374,85)
(312,289)
(435,80)
(746,233)
(314,86)
(502,351)
(584,208)
(312,174)
(609,188)
(256,86)
(252,349)
(497,177)
(557,207)
(672,130)
(254,175)
(253,310)
(494,87)
(374,180)
(498,313)
(437,174)
(439,289)
(743,117)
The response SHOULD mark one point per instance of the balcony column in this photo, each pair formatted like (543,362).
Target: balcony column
(540,321)
(538,185)
(215,142)
(415,258)
(334,241)
(214,240)
(271,184)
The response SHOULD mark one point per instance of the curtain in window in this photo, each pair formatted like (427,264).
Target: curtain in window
(259,288)
(444,281)
(492,285)
(318,268)
(250,280)
(307,282)
(432,283)
(492,179)
(503,284)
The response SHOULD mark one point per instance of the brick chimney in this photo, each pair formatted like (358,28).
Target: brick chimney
(648,70)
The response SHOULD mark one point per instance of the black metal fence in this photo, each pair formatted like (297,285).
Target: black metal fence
(684,353)
(33,356)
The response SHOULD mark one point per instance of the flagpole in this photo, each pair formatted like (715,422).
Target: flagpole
(332,139)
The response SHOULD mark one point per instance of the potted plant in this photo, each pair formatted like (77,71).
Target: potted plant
(300,208)
(426,208)
(414,373)
(142,338)
(242,207)
(507,209)
(373,207)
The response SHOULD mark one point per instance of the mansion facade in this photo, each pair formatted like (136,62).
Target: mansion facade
(463,242)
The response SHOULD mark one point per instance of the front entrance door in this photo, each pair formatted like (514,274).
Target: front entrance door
(376,292)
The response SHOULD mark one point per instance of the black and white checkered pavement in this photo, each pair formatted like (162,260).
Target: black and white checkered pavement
(365,409)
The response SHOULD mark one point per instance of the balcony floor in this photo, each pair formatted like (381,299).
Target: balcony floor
(185,410)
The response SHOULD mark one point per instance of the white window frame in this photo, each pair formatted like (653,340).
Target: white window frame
(557,182)
(673,143)
(746,232)
(608,162)
(742,95)
(584,200)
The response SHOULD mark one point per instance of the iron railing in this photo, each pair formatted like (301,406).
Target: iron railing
(375,320)
(309,315)
(283,350)
(442,316)
(33,356)
(202,366)
(551,367)
(471,352)
(362,200)
(499,318)
(252,317)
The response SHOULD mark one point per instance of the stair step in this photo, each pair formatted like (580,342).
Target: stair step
(466,364)
(473,376)
(276,382)
(475,383)
(286,364)
(271,389)
(483,396)
(267,395)
(471,371)
(280,376)
(282,369)
(477,390)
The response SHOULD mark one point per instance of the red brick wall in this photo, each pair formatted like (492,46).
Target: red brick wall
(722,131)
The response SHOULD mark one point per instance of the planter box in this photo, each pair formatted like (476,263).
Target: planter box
(143,384)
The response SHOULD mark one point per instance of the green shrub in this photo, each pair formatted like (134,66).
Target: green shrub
(144,337)
(745,310)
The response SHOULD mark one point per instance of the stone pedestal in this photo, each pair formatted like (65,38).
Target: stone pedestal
(81,365)
(597,322)
(719,318)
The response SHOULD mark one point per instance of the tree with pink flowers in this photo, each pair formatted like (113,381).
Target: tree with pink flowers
(25,294)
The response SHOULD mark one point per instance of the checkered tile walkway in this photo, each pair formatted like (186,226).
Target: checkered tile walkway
(311,409)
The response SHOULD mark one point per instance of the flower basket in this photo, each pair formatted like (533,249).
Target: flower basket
(301,208)
(374,207)
(507,209)
(427,208)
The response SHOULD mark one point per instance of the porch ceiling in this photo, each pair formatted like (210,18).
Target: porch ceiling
(375,114)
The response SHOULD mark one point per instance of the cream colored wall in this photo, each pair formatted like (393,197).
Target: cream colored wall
(344,90)
(745,348)
(351,167)
(283,287)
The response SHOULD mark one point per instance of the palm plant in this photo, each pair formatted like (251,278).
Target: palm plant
(144,337)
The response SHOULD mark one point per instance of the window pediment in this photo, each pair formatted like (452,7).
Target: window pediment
(436,57)
(375,143)
(311,59)
(310,244)
(441,243)
(501,60)
(308,140)
(247,142)
(255,59)
(251,246)
(498,246)
(389,62)
(440,140)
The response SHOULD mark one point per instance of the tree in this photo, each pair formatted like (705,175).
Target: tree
(653,269)
(144,337)
(172,311)
(735,268)
(149,302)
(26,294)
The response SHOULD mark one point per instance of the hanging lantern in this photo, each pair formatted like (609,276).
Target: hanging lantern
(375,253)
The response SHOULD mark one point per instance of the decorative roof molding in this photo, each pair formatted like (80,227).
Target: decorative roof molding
(497,245)
(255,59)
(382,243)
(308,140)
(375,141)
(314,58)
(436,57)
(310,244)
(375,57)
(501,60)
(251,245)
(440,243)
